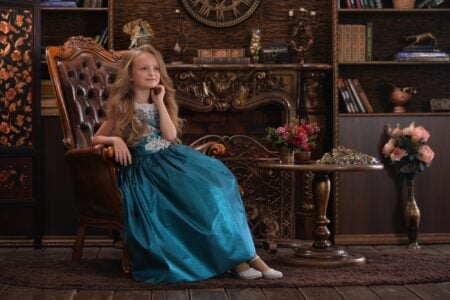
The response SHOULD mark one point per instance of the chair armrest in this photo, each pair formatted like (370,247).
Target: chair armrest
(211,148)
(94,176)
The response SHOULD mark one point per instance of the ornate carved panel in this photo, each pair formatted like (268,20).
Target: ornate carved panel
(268,195)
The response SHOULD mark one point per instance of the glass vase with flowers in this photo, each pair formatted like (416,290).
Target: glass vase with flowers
(296,139)
(407,151)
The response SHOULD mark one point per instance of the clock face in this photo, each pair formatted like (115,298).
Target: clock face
(220,13)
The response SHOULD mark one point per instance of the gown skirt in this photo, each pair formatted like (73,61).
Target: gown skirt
(184,216)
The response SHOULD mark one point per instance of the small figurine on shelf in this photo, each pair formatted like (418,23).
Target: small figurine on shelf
(255,44)
(302,39)
(400,97)
(140,32)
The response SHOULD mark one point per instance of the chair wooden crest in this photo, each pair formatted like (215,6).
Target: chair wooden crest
(81,72)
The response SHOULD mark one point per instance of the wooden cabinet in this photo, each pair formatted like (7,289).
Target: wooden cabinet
(368,207)
(20,154)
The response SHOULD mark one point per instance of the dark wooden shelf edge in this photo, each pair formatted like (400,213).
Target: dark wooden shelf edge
(78,9)
(409,114)
(396,63)
(393,10)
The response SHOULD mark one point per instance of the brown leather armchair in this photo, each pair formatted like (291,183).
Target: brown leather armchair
(81,71)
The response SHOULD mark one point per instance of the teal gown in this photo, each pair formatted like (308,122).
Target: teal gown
(184,217)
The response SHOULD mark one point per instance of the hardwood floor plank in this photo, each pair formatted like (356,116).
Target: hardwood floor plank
(6,252)
(445,286)
(89,252)
(94,295)
(356,293)
(3,287)
(20,293)
(170,295)
(321,293)
(207,294)
(26,252)
(52,294)
(392,292)
(247,294)
(283,294)
(441,248)
(57,253)
(429,291)
(133,295)
(109,253)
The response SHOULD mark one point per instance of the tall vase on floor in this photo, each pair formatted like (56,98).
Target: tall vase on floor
(411,214)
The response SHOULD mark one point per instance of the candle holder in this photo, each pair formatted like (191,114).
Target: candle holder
(181,43)
(301,39)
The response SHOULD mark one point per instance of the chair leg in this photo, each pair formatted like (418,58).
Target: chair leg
(77,250)
(125,260)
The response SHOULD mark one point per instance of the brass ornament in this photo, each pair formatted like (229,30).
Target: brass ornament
(223,13)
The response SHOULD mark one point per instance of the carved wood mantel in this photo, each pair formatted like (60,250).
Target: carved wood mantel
(259,92)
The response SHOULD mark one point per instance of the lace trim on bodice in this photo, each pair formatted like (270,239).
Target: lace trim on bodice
(150,116)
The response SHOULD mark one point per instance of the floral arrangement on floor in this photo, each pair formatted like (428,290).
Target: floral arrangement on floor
(298,135)
(407,148)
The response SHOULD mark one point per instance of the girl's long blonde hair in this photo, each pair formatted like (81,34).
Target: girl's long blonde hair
(121,104)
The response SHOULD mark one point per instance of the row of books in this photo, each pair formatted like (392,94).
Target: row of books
(421,53)
(103,38)
(221,56)
(72,3)
(360,4)
(354,42)
(59,3)
(353,96)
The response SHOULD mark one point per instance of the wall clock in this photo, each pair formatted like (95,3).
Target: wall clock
(220,13)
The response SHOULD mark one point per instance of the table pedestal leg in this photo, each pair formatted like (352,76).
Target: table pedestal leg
(322,253)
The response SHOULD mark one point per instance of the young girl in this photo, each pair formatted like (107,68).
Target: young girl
(184,218)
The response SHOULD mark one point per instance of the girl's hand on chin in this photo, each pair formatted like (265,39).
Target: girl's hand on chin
(157,94)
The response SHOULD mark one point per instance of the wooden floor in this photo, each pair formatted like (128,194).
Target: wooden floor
(412,291)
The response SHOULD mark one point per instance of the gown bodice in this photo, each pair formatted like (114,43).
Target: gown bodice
(153,141)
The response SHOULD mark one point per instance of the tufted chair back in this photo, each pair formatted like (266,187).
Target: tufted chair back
(84,77)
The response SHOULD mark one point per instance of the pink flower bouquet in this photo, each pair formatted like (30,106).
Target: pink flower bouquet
(298,135)
(407,150)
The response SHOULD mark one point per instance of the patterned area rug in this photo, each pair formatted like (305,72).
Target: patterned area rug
(383,267)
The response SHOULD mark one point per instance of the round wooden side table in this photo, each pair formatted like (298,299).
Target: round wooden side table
(321,253)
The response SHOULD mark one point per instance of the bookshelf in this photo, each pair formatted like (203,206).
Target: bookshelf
(377,198)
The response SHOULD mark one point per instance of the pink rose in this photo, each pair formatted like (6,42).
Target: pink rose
(408,130)
(395,132)
(397,154)
(426,154)
(389,147)
(420,134)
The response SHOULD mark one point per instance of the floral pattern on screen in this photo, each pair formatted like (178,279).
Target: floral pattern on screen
(16,82)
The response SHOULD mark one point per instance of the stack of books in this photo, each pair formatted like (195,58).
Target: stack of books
(221,56)
(421,53)
(59,3)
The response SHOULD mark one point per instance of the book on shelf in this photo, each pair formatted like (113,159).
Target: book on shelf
(362,96)
(354,95)
(345,96)
(369,41)
(225,52)
(221,60)
(351,42)
(53,3)
(421,56)
(429,3)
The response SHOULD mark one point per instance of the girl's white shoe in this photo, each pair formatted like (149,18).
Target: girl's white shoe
(272,274)
(250,273)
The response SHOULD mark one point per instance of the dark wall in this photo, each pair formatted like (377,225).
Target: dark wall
(271,17)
